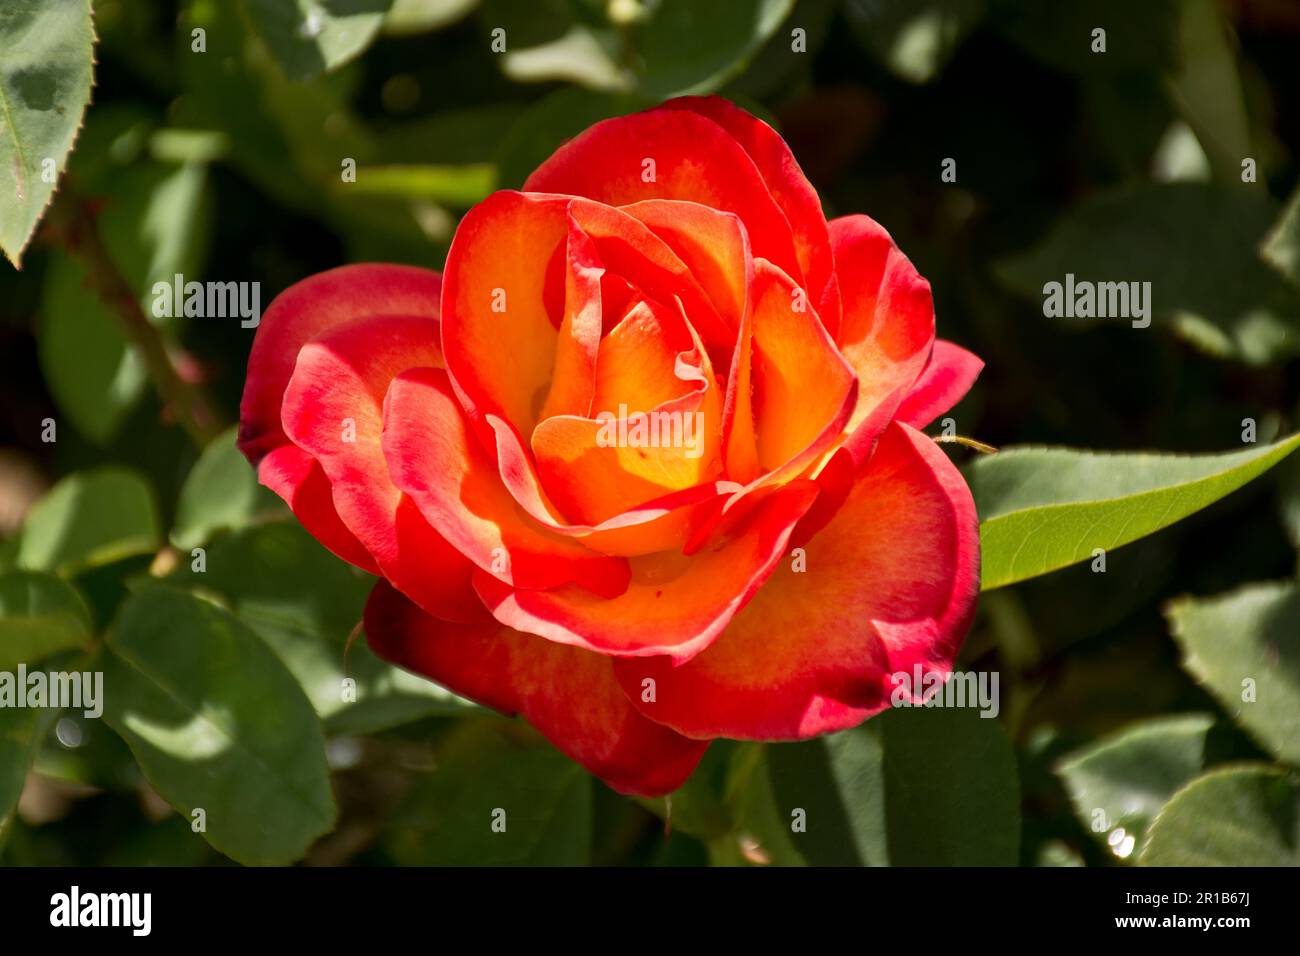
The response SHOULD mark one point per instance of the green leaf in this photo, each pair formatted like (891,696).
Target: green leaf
(1207,87)
(46,67)
(1119,784)
(40,615)
(88,519)
(220,492)
(1246,815)
(914,39)
(539,799)
(1209,285)
(688,47)
(912,787)
(1281,247)
(217,723)
(837,783)
(952,793)
(1245,648)
(309,37)
(1045,508)
(20,731)
(305,603)
(408,17)
(460,186)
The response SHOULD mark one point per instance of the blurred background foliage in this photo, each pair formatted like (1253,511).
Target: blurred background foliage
(1120,694)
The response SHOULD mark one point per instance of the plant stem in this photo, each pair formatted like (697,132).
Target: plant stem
(72,221)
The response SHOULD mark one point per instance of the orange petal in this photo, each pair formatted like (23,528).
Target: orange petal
(792,192)
(889,584)
(436,461)
(498,337)
(667,153)
(675,605)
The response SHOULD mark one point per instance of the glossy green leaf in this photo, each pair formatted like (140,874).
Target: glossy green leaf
(217,723)
(1045,508)
(308,37)
(1244,647)
(40,615)
(88,519)
(1244,815)
(220,492)
(1119,784)
(494,799)
(46,66)
(1207,285)
(305,603)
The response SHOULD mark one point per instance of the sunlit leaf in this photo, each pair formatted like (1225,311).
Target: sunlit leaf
(1045,508)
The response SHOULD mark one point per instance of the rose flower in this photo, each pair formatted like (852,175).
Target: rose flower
(643,464)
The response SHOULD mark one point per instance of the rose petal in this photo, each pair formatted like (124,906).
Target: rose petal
(801,382)
(568,694)
(298,478)
(792,192)
(305,310)
(889,583)
(434,459)
(667,153)
(675,605)
(333,411)
(498,338)
(947,377)
(888,326)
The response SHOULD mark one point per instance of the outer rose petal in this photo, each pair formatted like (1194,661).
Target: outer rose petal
(568,694)
(332,410)
(305,310)
(298,478)
(675,605)
(888,326)
(695,159)
(947,377)
(890,582)
(300,313)
(792,192)
(434,459)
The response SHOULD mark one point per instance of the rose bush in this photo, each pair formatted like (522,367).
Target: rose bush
(634,599)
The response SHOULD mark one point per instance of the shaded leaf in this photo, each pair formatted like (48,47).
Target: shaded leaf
(914,39)
(1247,815)
(1045,508)
(1195,243)
(539,800)
(1245,648)
(311,36)
(40,615)
(305,602)
(216,723)
(1120,783)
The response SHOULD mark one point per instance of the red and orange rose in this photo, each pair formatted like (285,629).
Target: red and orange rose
(487,443)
